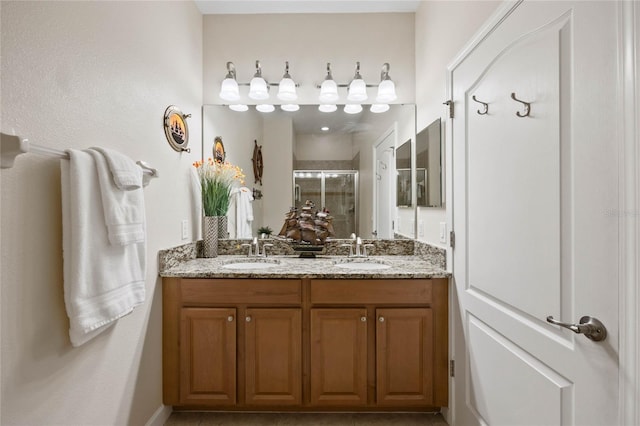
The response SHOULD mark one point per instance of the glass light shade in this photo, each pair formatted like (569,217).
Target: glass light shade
(378,108)
(357,90)
(328,91)
(239,107)
(229,90)
(265,108)
(287,90)
(258,89)
(353,108)
(327,108)
(386,92)
(290,107)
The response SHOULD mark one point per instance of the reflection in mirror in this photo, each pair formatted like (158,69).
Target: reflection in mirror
(295,142)
(429,166)
(403,171)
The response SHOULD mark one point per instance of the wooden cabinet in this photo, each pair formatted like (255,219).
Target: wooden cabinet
(339,357)
(244,344)
(404,356)
(273,347)
(208,356)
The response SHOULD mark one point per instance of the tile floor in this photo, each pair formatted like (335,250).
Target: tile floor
(187,418)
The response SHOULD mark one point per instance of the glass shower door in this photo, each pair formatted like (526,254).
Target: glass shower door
(334,189)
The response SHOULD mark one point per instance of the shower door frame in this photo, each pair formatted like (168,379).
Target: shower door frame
(356,188)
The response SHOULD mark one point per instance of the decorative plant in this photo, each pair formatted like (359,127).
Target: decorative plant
(217,179)
(265,230)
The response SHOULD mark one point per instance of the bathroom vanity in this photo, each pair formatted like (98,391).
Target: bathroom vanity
(305,334)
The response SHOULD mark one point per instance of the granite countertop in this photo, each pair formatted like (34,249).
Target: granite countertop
(322,267)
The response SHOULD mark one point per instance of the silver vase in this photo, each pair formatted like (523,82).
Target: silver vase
(210,226)
(222,228)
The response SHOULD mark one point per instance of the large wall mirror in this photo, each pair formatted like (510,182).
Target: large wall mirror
(404,176)
(429,166)
(299,146)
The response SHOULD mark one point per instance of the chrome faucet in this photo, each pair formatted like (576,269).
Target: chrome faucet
(359,249)
(254,248)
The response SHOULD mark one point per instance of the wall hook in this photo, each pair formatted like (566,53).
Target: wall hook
(527,106)
(484,104)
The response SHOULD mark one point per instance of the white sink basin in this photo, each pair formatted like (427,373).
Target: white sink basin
(362,265)
(250,264)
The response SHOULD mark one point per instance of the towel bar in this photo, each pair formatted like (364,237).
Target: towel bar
(11,146)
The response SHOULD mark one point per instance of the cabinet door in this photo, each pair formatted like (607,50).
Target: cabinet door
(404,357)
(208,356)
(338,357)
(273,348)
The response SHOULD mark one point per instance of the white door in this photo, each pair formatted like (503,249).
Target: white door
(533,238)
(384,199)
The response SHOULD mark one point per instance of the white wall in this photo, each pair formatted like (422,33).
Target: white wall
(278,170)
(75,75)
(330,147)
(442,29)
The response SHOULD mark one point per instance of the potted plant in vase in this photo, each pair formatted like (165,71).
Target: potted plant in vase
(216,181)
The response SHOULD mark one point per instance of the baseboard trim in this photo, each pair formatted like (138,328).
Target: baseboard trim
(160,416)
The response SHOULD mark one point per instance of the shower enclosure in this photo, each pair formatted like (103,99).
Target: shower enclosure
(337,190)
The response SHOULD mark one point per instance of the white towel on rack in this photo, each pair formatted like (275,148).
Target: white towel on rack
(102,282)
(244,213)
(123,210)
(127,175)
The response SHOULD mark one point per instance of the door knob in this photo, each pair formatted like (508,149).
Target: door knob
(591,327)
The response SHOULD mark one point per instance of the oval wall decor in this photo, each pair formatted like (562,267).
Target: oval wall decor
(176,129)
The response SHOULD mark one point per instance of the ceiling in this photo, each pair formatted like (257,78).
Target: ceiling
(209,7)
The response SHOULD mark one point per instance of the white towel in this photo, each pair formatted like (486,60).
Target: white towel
(244,213)
(123,210)
(102,282)
(126,173)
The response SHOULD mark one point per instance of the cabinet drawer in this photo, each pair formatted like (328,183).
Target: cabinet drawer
(371,291)
(196,292)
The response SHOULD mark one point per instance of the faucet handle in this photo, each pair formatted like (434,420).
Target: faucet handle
(265,246)
(247,245)
(365,247)
(350,248)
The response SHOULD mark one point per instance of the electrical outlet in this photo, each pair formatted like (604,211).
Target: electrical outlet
(185,229)
(443,232)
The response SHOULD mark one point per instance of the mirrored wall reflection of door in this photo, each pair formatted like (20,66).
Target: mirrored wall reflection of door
(334,189)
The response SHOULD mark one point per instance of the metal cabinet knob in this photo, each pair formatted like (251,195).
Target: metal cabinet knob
(363,319)
(248,319)
(381,319)
(591,327)
(230,318)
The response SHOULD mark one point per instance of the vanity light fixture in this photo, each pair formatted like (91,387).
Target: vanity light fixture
(327,107)
(287,87)
(290,107)
(258,88)
(239,107)
(324,129)
(386,88)
(357,87)
(353,108)
(329,88)
(378,108)
(265,108)
(229,88)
